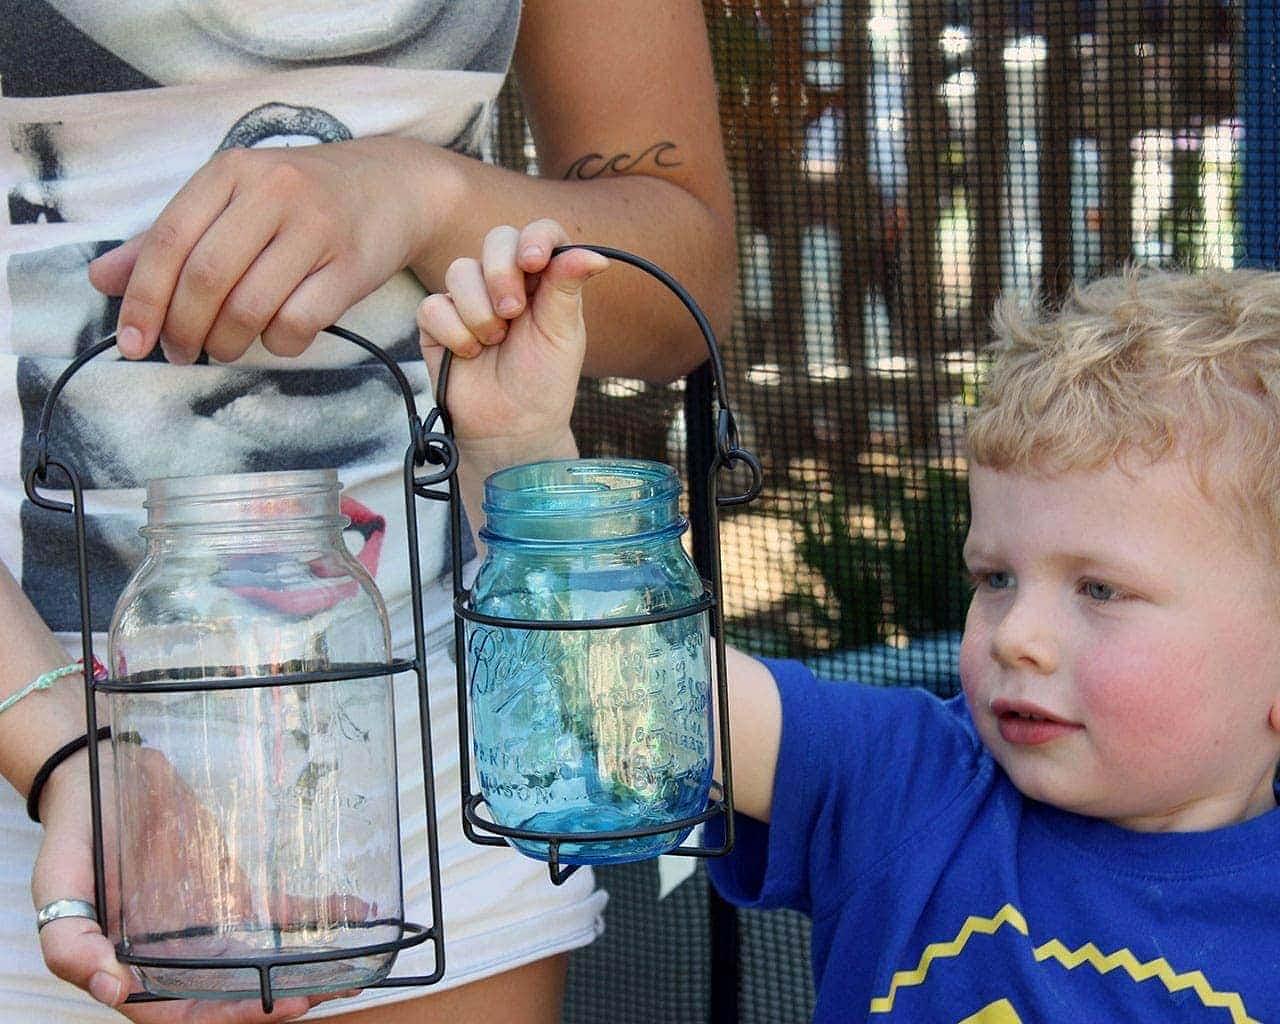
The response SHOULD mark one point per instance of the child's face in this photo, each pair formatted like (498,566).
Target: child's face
(1121,656)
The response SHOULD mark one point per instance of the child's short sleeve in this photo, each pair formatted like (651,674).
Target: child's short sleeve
(861,772)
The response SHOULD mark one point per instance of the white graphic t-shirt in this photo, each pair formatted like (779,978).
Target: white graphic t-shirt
(108,108)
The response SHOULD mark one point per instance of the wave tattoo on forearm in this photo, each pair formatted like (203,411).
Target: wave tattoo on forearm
(593,165)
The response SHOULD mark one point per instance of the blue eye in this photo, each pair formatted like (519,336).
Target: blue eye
(992,580)
(1100,591)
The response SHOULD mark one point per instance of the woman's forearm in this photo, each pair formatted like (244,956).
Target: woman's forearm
(45,719)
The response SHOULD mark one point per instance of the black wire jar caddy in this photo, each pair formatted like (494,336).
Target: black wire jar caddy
(724,452)
(391,933)
(431,444)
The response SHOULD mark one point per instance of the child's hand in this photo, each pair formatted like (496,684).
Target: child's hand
(514,320)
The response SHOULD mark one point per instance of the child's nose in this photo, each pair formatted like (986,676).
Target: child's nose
(1025,637)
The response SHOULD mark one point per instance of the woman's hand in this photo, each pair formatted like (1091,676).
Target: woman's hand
(74,948)
(277,242)
(514,319)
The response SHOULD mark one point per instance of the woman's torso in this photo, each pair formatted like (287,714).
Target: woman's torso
(109,109)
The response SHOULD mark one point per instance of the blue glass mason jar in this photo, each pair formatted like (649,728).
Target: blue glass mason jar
(589,730)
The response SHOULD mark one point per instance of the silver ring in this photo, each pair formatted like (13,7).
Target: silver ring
(65,908)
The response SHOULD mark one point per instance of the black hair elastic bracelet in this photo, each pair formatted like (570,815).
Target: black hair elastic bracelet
(55,759)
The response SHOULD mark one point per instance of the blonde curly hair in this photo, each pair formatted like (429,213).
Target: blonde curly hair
(1147,363)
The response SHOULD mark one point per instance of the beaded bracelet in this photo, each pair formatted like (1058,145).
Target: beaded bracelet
(55,759)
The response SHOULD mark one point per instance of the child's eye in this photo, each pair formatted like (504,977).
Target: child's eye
(1099,591)
(992,580)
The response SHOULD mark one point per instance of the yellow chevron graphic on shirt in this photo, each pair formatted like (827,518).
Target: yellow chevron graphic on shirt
(1159,969)
(999,1012)
(944,950)
(1055,950)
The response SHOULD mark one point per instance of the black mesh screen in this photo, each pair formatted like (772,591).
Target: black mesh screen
(897,166)
(653,963)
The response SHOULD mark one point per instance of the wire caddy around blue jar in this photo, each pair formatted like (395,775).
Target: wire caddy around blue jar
(724,452)
(425,447)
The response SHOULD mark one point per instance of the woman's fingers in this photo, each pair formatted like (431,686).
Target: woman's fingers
(232,245)
(75,950)
(242,1011)
(161,256)
(109,273)
(322,298)
(257,305)
(228,255)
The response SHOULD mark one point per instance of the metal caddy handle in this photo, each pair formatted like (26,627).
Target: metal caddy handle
(725,453)
(425,446)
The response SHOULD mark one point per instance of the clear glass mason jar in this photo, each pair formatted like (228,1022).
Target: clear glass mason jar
(257,822)
(581,731)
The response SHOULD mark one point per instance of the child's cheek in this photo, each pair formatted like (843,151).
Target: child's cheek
(971,662)
(976,670)
(1132,695)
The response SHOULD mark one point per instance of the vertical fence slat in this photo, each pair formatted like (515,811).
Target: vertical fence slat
(1056,127)
(1260,103)
(989,164)
(1120,23)
(857,230)
(1190,28)
(920,333)
(855,195)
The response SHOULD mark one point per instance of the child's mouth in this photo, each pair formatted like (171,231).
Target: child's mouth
(1029,730)
(1021,727)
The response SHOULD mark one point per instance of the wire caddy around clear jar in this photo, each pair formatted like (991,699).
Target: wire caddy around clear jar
(725,452)
(425,446)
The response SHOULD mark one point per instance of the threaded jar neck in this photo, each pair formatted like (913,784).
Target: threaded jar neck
(245,502)
(575,501)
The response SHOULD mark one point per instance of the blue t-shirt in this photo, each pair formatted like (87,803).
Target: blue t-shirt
(939,893)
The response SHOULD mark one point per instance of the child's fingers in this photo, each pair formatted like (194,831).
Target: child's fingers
(573,268)
(502,275)
(465,283)
(432,355)
(533,250)
(557,305)
(439,325)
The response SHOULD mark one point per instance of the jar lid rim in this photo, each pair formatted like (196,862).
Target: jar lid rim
(584,486)
(237,486)
(675,528)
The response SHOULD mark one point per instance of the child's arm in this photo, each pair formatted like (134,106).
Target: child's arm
(755,726)
(510,393)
